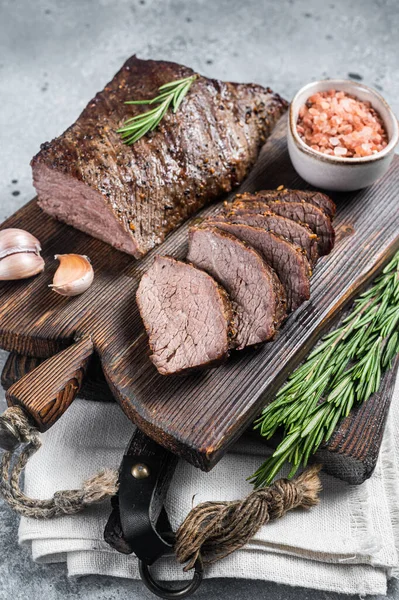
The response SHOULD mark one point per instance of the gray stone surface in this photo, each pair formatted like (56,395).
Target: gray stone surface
(55,54)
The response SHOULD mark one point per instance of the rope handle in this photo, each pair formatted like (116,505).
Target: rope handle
(212,529)
(66,502)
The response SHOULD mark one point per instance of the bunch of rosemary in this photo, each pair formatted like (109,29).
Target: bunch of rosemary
(172,94)
(344,370)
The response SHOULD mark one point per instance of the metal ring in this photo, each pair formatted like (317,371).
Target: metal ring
(168,593)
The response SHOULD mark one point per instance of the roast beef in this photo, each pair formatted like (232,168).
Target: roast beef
(286,195)
(132,196)
(252,285)
(187,315)
(290,264)
(299,234)
(301,212)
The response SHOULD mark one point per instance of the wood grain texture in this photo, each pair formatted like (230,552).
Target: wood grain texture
(94,385)
(197,416)
(17,366)
(351,454)
(48,390)
(352,451)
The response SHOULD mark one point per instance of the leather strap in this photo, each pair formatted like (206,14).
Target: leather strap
(138,522)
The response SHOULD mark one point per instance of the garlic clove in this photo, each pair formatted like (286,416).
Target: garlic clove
(19,255)
(15,241)
(74,275)
(20,266)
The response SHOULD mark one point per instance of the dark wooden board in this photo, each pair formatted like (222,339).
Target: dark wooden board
(200,415)
(351,453)
(94,386)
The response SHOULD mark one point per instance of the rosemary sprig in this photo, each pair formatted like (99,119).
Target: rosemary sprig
(172,93)
(344,370)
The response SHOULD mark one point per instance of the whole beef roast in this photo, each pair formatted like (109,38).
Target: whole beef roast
(252,285)
(301,212)
(132,196)
(297,233)
(287,260)
(187,315)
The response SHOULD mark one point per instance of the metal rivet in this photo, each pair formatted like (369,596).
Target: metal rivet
(140,471)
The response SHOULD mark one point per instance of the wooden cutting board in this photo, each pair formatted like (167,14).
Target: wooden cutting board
(200,415)
(351,453)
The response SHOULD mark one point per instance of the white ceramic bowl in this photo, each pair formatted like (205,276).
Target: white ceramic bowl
(334,172)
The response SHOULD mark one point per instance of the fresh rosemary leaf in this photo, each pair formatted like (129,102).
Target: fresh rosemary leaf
(170,84)
(287,443)
(344,370)
(314,421)
(391,348)
(178,99)
(172,94)
(339,389)
(333,423)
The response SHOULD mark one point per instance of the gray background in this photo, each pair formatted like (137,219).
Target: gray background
(55,54)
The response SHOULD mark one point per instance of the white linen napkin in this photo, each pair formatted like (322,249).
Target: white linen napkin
(349,543)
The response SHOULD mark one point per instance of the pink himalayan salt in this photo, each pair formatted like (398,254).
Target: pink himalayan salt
(338,124)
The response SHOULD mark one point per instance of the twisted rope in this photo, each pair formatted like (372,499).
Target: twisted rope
(212,529)
(216,529)
(66,502)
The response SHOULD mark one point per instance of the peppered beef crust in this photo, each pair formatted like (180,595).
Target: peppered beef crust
(286,259)
(252,285)
(301,212)
(287,195)
(297,233)
(149,188)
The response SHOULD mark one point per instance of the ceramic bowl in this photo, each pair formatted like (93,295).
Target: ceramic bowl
(334,172)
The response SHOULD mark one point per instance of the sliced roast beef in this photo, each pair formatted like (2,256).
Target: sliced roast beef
(301,212)
(133,196)
(286,195)
(290,264)
(299,234)
(251,284)
(187,315)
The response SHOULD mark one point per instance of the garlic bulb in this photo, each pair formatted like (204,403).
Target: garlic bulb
(74,275)
(19,255)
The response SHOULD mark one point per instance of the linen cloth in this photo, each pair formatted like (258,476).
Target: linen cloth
(348,543)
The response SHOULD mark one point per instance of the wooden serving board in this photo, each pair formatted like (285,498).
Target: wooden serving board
(94,386)
(200,415)
(351,453)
